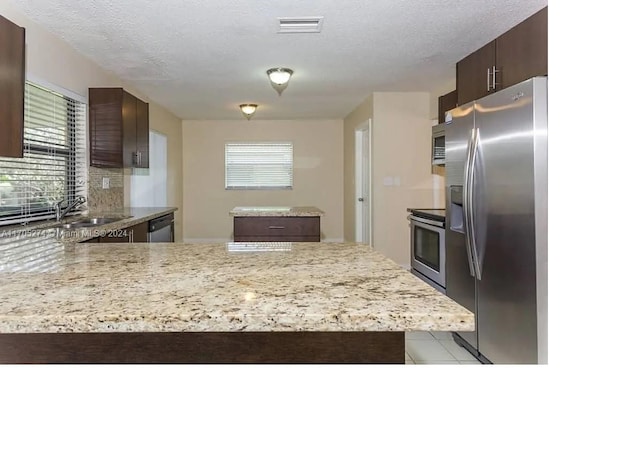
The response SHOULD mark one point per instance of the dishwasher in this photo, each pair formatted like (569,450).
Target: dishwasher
(161,229)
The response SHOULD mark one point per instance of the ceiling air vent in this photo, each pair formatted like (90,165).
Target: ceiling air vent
(304,24)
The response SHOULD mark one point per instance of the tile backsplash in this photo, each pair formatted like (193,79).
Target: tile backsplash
(100,199)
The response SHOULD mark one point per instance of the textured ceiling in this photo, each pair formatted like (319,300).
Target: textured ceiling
(202,58)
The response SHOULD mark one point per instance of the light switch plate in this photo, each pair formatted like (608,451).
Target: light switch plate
(387,181)
(105,183)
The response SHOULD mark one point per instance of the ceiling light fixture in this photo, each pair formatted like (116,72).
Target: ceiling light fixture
(248,110)
(279,78)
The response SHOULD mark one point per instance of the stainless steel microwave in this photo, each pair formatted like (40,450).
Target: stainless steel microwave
(437,144)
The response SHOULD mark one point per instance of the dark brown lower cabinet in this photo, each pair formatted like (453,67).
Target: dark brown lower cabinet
(204,347)
(131,234)
(302,229)
(115,236)
(139,232)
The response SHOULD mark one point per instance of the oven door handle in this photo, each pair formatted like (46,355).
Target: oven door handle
(465,203)
(425,221)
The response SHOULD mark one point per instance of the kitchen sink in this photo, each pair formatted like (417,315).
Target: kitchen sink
(89,222)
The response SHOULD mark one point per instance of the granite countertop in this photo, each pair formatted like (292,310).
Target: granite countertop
(223,287)
(41,246)
(276,212)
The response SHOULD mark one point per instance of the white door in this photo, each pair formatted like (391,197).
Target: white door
(363,183)
(149,186)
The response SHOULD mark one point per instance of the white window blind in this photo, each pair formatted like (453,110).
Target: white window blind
(54,163)
(259,165)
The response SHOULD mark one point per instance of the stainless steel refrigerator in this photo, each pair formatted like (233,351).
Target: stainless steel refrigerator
(496,222)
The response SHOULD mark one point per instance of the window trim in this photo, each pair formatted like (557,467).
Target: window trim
(36,80)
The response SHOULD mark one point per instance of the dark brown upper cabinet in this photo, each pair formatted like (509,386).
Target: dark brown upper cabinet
(473,73)
(446,102)
(142,132)
(12,62)
(118,129)
(521,52)
(514,56)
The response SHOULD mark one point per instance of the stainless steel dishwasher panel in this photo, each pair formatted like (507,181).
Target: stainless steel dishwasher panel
(161,229)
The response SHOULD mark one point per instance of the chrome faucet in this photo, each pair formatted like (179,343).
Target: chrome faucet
(60,212)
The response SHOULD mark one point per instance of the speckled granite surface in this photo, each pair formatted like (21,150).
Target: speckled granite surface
(276,212)
(105,199)
(223,287)
(41,246)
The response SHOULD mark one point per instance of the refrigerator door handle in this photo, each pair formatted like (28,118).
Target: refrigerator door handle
(466,201)
(471,191)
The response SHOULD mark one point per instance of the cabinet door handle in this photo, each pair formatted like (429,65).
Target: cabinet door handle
(273,227)
(488,79)
(495,70)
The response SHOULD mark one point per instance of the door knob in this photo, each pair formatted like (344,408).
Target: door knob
(360,199)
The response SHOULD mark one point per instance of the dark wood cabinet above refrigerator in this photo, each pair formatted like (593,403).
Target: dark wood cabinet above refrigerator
(446,102)
(511,58)
(12,79)
(118,129)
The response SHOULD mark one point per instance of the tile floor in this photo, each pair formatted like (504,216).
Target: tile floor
(435,348)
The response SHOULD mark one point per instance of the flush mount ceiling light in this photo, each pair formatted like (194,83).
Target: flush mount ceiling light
(279,78)
(248,110)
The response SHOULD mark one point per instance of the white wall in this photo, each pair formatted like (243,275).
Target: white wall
(317,176)
(359,115)
(149,185)
(401,151)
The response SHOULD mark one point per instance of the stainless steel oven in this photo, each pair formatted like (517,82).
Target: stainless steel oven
(428,250)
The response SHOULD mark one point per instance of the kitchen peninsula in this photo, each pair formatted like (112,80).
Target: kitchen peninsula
(218,303)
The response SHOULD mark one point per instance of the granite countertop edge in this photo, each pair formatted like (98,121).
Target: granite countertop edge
(265,212)
(31,326)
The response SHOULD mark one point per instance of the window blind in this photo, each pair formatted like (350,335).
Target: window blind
(259,165)
(54,163)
